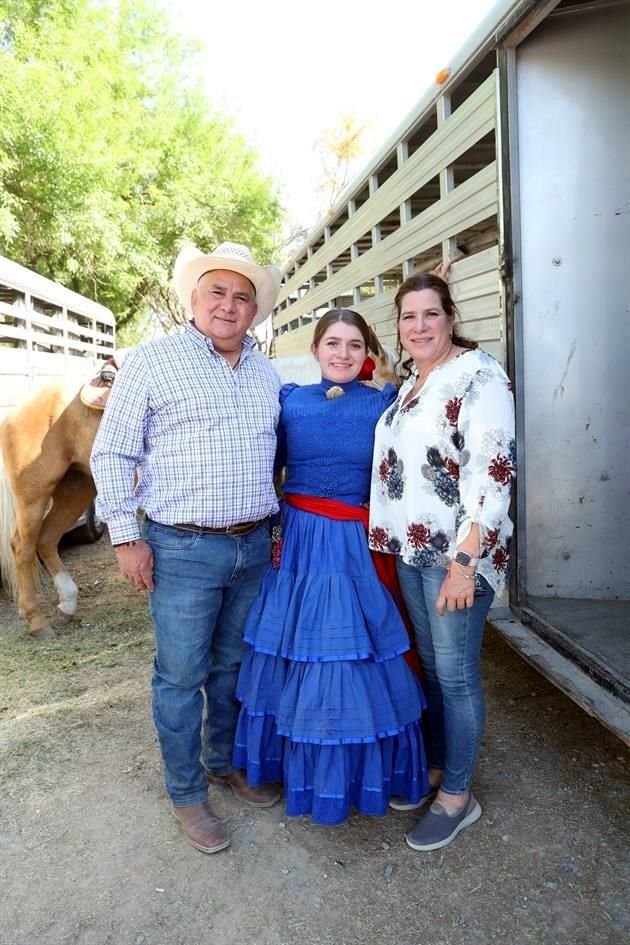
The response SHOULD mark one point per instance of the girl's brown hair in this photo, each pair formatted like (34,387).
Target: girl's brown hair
(348,317)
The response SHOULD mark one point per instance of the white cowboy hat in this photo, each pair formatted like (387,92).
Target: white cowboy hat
(191,264)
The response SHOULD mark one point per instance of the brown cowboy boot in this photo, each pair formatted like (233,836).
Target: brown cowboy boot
(202,828)
(265,796)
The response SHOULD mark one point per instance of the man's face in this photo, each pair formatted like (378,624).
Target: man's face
(224,306)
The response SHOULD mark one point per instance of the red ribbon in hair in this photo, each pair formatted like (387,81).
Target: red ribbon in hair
(367,371)
(384,565)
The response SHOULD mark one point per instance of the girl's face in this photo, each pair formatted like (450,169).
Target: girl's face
(341,352)
(424,327)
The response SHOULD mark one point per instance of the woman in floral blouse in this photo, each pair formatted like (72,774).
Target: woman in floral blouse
(444,463)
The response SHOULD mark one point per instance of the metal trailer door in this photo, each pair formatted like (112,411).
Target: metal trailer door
(573,101)
(567,92)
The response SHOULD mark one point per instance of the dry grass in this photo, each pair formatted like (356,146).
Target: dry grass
(50,687)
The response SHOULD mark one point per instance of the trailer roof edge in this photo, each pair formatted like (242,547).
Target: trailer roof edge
(32,282)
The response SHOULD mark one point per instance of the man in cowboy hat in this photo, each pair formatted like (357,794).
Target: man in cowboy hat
(196,413)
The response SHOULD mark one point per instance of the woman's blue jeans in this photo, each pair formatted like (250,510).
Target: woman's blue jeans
(450,651)
(204,587)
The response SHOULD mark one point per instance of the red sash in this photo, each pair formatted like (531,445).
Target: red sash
(385,565)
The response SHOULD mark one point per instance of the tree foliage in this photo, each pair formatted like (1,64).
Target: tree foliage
(111,157)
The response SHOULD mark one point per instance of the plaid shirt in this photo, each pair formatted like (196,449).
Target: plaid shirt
(201,436)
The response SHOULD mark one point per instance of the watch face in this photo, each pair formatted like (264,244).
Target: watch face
(462,558)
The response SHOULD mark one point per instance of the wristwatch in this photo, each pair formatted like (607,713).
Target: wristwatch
(466,560)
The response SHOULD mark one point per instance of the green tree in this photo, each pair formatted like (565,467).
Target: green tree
(111,157)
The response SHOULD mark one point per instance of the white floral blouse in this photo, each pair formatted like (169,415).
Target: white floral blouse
(443,462)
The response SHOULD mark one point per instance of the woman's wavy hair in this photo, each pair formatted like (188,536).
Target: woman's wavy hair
(428,280)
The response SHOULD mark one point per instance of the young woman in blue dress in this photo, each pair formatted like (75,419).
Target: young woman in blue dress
(330,706)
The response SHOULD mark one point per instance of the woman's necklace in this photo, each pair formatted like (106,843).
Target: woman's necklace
(421,380)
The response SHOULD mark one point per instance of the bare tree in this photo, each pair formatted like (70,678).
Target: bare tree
(339,148)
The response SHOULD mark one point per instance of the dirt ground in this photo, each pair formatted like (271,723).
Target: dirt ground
(91,855)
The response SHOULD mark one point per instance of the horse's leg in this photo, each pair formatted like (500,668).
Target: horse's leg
(28,519)
(71,497)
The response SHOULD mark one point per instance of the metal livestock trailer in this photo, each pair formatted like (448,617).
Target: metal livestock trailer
(46,332)
(517,161)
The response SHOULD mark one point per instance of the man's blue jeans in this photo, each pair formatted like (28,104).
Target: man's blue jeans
(450,651)
(204,587)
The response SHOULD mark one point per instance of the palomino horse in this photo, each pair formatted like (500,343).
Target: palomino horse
(45,485)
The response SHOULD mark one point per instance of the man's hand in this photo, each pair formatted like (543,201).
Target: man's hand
(136,564)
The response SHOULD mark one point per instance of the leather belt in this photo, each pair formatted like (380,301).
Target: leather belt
(242,528)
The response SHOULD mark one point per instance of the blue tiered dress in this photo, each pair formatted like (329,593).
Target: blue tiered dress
(329,704)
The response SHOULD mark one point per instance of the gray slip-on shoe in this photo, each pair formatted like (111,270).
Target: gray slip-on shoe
(437,829)
(396,802)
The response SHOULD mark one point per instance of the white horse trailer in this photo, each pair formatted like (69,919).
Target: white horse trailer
(48,332)
(517,164)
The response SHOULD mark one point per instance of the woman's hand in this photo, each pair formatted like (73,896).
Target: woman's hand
(442,269)
(457,591)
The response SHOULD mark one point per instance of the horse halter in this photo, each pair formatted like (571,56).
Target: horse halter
(95,392)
